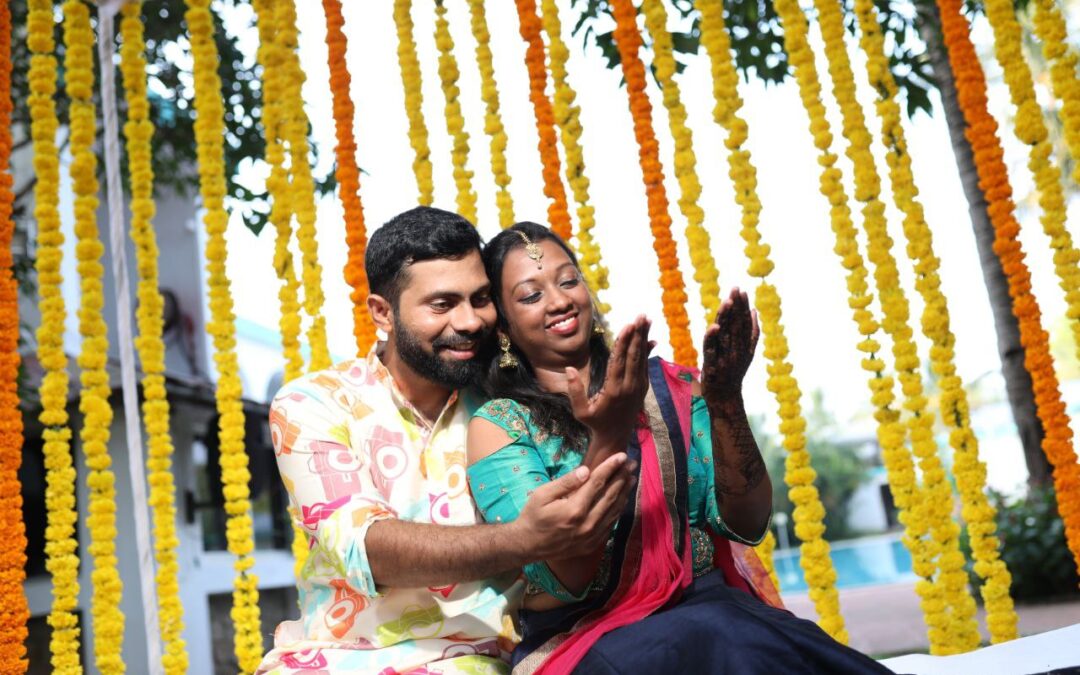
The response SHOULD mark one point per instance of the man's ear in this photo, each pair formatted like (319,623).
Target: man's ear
(382,313)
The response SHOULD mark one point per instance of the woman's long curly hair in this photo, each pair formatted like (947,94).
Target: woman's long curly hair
(550,412)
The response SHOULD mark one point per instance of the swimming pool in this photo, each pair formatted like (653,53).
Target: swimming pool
(860,562)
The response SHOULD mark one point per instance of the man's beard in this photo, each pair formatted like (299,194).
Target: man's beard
(452,373)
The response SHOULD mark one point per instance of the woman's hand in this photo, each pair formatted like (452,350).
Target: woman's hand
(728,349)
(612,412)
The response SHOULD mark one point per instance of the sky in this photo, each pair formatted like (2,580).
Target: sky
(794,220)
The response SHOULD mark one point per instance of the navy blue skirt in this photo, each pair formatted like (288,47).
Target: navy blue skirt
(716,629)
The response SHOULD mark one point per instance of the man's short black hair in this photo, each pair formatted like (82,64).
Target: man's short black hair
(421,233)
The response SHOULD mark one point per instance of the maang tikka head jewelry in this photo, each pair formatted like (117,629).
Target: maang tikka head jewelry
(532,250)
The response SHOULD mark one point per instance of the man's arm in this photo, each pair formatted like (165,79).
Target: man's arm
(575,512)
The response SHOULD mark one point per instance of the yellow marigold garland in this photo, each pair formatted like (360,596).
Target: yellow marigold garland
(674,291)
(568,117)
(294,128)
(981,132)
(969,470)
(138,132)
(348,175)
(270,55)
(685,162)
(809,512)
(891,433)
(209,136)
(1051,29)
(410,78)
(529,26)
(493,125)
(455,123)
(963,628)
(14,613)
(1032,132)
(94,405)
(60,543)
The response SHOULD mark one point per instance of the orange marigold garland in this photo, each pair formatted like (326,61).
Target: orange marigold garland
(799,474)
(348,175)
(138,132)
(493,125)
(685,163)
(671,281)
(60,543)
(981,132)
(568,117)
(414,99)
(455,123)
(529,26)
(969,470)
(108,620)
(14,613)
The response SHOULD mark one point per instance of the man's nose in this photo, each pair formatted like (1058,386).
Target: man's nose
(467,320)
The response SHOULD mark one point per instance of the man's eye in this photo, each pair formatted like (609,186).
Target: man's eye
(481,301)
(440,305)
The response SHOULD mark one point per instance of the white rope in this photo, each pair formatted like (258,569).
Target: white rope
(107,10)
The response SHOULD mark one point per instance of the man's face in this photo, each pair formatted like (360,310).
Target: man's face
(443,319)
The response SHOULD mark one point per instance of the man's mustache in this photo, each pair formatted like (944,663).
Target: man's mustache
(459,340)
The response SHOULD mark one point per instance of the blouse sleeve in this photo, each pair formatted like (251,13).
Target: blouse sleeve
(704,509)
(502,482)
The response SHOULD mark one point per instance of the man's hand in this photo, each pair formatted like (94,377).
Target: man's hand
(611,412)
(575,513)
(728,350)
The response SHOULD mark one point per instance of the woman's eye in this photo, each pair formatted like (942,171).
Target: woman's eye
(570,283)
(531,298)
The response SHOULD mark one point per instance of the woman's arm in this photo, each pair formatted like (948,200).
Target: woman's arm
(743,488)
(501,485)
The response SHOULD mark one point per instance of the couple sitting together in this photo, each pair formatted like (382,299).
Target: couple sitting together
(495,484)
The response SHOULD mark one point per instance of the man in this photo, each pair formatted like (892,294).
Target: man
(399,575)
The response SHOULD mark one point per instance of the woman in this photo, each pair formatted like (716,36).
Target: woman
(676,588)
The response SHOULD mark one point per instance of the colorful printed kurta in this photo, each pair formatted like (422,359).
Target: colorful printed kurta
(352,451)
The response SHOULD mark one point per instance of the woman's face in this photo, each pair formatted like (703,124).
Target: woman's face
(548,310)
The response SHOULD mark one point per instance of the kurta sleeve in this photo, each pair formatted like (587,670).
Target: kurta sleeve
(331,492)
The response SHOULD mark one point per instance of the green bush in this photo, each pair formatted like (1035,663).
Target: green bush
(1033,546)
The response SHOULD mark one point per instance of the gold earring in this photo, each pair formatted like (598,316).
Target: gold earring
(598,329)
(507,361)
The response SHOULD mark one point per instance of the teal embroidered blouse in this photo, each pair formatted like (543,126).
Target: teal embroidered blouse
(502,482)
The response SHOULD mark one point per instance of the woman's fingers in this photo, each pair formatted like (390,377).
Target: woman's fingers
(575,391)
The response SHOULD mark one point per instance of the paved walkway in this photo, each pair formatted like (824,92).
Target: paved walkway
(886,620)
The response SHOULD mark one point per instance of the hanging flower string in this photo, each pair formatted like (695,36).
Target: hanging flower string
(799,475)
(277,185)
(1030,129)
(969,470)
(410,78)
(493,125)
(568,117)
(455,123)
(209,137)
(685,162)
(348,175)
(60,542)
(981,132)
(294,127)
(94,405)
(529,26)
(138,132)
(1062,58)
(891,433)
(15,613)
(674,291)
(964,632)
